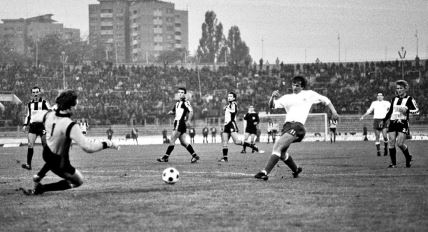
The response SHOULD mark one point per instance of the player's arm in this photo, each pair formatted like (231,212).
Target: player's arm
(28,117)
(273,98)
(389,113)
(45,105)
(244,122)
(412,106)
(369,111)
(326,101)
(172,112)
(89,145)
(190,115)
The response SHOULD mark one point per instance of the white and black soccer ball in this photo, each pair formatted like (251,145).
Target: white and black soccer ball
(170,175)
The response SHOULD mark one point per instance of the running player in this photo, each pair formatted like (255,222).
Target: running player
(36,106)
(183,116)
(379,108)
(297,105)
(251,122)
(401,106)
(61,130)
(230,128)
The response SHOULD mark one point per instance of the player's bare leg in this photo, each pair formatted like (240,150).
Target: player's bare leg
(279,151)
(174,136)
(392,150)
(225,140)
(401,139)
(183,140)
(246,135)
(253,141)
(31,139)
(377,141)
(385,141)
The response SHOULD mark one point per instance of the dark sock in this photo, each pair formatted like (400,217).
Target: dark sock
(378,147)
(406,152)
(392,153)
(386,146)
(30,155)
(190,149)
(58,186)
(45,169)
(225,150)
(253,146)
(291,164)
(273,160)
(169,149)
(244,147)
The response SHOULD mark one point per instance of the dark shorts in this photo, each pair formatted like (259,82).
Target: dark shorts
(180,126)
(295,129)
(333,130)
(251,130)
(230,127)
(377,124)
(37,128)
(84,132)
(399,126)
(60,165)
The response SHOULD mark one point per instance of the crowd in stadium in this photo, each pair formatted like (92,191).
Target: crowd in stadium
(112,95)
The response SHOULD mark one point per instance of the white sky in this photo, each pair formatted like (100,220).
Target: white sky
(369,29)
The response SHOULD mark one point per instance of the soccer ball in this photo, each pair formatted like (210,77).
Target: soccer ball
(170,175)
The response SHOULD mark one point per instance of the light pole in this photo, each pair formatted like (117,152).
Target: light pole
(63,60)
(402,55)
(417,43)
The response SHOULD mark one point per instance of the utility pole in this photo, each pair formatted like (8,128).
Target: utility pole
(338,38)
(402,55)
(64,61)
(262,48)
(417,43)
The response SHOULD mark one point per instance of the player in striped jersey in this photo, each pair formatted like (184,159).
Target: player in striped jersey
(297,105)
(61,130)
(36,106)
(379,109)
(230,128)
(401,106)
(183,116)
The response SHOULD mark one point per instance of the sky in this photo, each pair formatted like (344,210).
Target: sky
(290,30)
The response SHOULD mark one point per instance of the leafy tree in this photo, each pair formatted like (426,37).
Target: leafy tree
(168,57)
(8,53)
(239,51)
(211,44)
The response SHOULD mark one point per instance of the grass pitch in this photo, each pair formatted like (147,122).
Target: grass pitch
(343,187)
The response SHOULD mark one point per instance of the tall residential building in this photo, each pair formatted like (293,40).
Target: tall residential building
(20,31)
(137,30)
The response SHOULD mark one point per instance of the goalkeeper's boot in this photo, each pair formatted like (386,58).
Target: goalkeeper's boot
(26,166)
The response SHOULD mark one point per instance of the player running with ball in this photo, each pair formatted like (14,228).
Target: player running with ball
(297,105)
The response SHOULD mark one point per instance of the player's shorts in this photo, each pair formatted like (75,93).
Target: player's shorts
(84,132)
(399,126)
(377,124)
(274,131)
(109,137)
(180,126)
(333,130)
(295,129)
(230,127)
(60,165)
(37,128)
(251,130)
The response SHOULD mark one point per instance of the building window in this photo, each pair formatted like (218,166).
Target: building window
(177,33)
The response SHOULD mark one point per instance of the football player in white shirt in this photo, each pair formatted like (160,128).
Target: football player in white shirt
(297,106)
(379,108)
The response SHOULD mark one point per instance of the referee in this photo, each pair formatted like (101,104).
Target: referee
(36,106)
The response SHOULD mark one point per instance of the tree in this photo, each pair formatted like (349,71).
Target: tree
(168,57)
(8,53)
(239,51)
(211,45)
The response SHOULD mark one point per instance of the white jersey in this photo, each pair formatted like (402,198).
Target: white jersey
(298,105)
(380,108)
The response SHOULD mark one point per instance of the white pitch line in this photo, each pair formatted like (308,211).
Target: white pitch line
(155,171)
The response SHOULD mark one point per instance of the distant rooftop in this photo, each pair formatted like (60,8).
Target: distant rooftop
(46,18)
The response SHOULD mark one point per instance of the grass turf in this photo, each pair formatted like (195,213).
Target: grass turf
(343,187)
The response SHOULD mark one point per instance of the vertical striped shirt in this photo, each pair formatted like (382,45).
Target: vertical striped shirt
(35,107)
